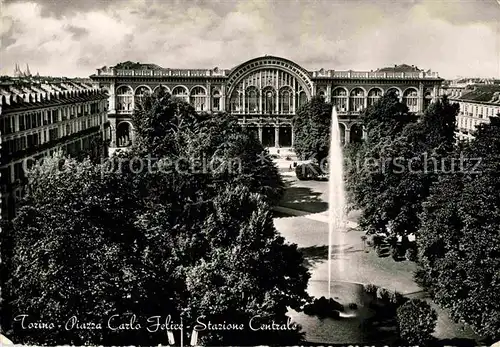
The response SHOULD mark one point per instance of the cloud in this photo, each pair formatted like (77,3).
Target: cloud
(74,38)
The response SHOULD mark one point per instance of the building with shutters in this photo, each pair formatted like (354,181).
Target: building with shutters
(39,118)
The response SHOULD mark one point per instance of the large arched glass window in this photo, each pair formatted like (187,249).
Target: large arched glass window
(302,99)
(251,100)
(342,130)
(181,92)
(123,134)
(339,99)
(269,100)
(356,133)
(163,89)
(198,98)
(236,101)
(395,91)
(124,98)
(357,101)
(140,93)
(373,95)
(410,99)
(322,94)
(285,105)
(427,99)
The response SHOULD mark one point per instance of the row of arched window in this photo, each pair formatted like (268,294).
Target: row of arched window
(358,99)
(269,100)
(125,96)
(252,100)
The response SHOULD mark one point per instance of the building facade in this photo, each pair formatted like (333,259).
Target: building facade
(265,93)
(37,120)
(478,102)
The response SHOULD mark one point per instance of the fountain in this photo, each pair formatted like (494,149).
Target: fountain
(342,311)
(325,322)
(336,199)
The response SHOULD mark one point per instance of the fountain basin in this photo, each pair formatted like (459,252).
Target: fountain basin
(354,325)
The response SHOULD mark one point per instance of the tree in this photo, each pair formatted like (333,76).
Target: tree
(409,157)
(416,322)
(459,237)
(423,147)
(150,223)
(73,251)
(312,129)
(386,118)
(157,118)
(92,242)
(215,146)
(366,181)
(235,156)
(97,150)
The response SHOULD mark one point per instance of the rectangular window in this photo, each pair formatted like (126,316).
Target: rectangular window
(21,122)
(6,179)
(18,171)
(216,105)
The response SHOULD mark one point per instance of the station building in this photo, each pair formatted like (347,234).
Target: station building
(265,93)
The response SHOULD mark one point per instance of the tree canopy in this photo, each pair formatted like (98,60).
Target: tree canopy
(312,129)
(215,146)
(366,175)
(400,160)
(460,234)
(159,238)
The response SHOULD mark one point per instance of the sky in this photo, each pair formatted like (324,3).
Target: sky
(75,37)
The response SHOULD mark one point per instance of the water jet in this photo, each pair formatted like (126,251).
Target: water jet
(336,198)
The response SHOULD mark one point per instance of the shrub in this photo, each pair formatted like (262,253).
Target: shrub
(370,289)
(380,251)
(300,172)
(411,254)
(377,240)
(416,321)
(395,254)
(396,298)
(314,171)
(307,171)
(288,158)
(383,294)
(323,307)
(424,280)
(392,241)
(391,297)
